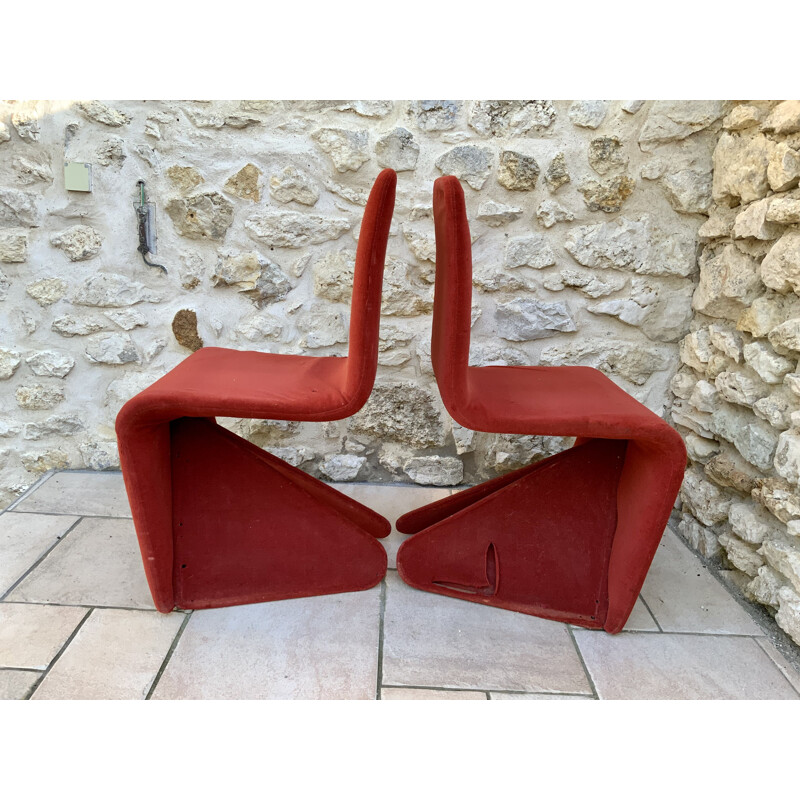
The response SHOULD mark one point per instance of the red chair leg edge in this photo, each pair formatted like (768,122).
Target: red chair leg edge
(234,524)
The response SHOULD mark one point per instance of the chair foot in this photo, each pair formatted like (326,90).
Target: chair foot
(536,541)
(250,528)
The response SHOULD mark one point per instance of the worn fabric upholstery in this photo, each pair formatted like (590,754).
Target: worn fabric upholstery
(590,518)
(221,522)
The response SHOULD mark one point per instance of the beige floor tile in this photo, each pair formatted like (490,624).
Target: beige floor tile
(392,501)
(432,640)
(527,696)
(25,538)
(789,672)
(673,666)
(86,494)
(685,598)
(31,636)
(393,693)
(640,619)
(311,648)
(15,685)
(98,564)
(114,656)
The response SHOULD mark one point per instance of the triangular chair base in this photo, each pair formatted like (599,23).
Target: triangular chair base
(536,541)
(250,528)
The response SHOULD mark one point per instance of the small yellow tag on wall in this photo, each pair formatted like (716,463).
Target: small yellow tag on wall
(77,176)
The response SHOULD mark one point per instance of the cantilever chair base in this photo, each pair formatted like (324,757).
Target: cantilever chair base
(248,528)
(537,540)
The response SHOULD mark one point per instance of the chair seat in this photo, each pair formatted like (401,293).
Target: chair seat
(553,401)
(217,381)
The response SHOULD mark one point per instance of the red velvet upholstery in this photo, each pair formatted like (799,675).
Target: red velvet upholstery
(568,538)
(221,522)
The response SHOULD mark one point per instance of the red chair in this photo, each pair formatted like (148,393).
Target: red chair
(568,538)
(221,522)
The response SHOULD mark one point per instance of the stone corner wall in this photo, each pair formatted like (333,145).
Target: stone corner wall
(584,218)
(737,394)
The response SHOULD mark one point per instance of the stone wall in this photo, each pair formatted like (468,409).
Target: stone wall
(584,217)
(737,395)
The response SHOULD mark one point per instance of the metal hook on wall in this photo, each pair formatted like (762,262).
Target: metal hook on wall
(145,214)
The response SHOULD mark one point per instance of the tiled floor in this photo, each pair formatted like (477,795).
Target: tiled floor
(77,621)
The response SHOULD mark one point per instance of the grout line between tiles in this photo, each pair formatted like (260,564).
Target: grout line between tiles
(542,694)
(380,640)
(30,490)
(87,471)
(674,633)
(779,667)
(650,612)
(435,688)
(480,689)
(71,514)
(20,669)
(583,663)
(77,605)
(41,558)
(59,654)
(168,656)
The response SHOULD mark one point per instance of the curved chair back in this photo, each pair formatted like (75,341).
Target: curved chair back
(365,309)
(452,304)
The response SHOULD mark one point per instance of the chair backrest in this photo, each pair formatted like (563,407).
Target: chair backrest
(452,302)
(365,308)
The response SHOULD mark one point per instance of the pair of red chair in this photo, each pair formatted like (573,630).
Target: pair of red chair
(221,522)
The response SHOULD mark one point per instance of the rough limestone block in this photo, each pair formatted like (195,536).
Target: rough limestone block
(755,440)
(13,245)
(740,169)
(780,269)
(348,149)
(699,538)
(784,559)
(707,502)
(784,210)
(783,171)
(673,120)
(588,113)
(343,467)
(524,320)
(80,242)
(529,251)
(742,555)
(741,388)
(752,523)
(770,367)
(752,222)
(468,163)
(510,117)
(435,470)
(765,587)
(788,616)
(787,457)
(729,282)
(784,118)
(397,150)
